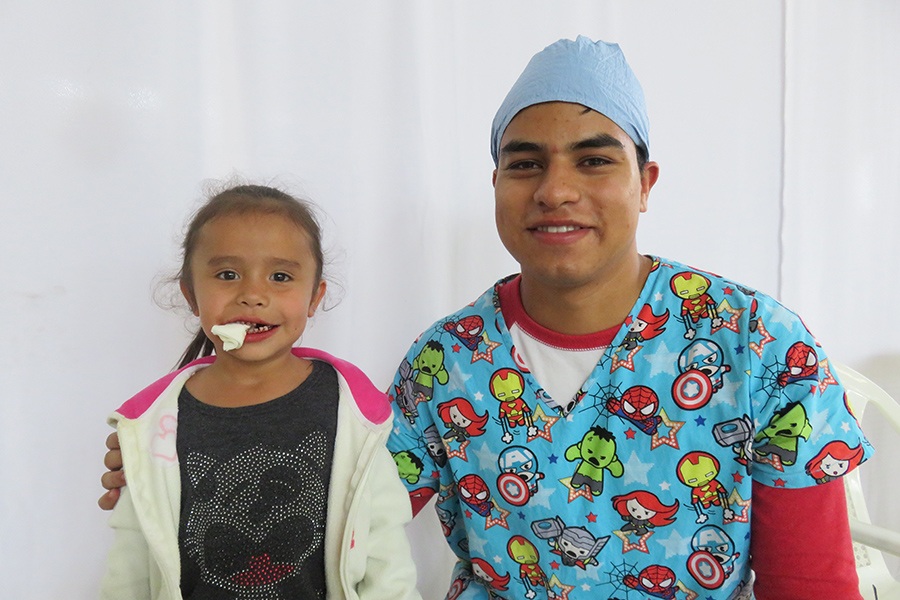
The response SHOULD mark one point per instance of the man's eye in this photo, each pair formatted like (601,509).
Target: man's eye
(227,275)
(595,161)
(522,165)
(281,277)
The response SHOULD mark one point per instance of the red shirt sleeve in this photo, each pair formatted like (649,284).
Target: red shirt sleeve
(800,544)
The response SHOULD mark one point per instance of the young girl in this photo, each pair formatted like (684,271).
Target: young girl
(259,472)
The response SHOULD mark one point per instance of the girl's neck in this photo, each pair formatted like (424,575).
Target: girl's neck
(232,383)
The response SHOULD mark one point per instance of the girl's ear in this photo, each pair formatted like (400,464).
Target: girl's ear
(318,294)
(189,297)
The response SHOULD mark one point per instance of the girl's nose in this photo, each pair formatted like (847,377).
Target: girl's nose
(252,294)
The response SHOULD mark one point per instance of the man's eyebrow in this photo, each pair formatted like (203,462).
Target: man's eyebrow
(520,146)
(603,140)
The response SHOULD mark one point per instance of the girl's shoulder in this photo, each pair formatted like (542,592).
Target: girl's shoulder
(371,402)
(138,404)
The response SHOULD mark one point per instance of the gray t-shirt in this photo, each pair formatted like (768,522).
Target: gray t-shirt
(254,491)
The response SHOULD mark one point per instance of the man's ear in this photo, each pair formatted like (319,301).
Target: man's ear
(188,294)
(649,175)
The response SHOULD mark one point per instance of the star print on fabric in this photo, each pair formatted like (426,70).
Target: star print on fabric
(734,315)
(700,421)
(671,439)
(553,458)
(488,354)
(542,431)
(779,482)
(737,477)
(476,544)
(728,290)
(739,349)
(821,424)
(629,433)
(563,593)
(543,496)
(627,362)
(591,517)
(735,500)
(781,315)
(675,545)
(491,521)
(456,348)
(579,492)
(485,454)
(627,545)
(845,426)
(728,393)
(829,377)
(662,360)
(461,453)
(635,470)
(664,486)
(554,565)
(765,338)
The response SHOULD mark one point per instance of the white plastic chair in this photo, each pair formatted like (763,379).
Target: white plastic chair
(869,541)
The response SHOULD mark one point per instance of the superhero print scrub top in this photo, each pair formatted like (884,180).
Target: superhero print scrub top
(640,485)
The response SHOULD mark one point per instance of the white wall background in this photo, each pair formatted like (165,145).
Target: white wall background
(776,125)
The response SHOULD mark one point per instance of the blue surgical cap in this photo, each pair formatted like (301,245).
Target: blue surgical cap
(593,74)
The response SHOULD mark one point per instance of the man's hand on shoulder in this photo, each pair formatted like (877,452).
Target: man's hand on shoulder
(113,479)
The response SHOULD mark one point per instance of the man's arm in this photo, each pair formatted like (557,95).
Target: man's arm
(800,543)
(113,479)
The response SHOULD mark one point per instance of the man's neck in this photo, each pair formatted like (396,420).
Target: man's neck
(588,308)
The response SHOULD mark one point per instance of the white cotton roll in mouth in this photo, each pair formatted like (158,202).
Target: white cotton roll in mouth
(231,334)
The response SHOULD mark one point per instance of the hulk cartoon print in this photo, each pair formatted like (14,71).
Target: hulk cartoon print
(595,453)
(428,367)
(781,437)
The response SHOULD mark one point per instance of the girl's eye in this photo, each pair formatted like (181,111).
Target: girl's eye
(227,275)
(281,277)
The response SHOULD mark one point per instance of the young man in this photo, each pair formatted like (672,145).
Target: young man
(653,430)
(608,424)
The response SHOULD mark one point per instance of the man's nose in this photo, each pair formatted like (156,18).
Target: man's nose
(556,187)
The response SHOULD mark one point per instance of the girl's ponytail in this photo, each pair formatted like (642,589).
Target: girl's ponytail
(199,347)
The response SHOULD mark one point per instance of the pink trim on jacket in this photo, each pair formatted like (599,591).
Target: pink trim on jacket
(372,403)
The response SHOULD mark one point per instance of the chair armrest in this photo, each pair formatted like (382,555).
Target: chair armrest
(874,536)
